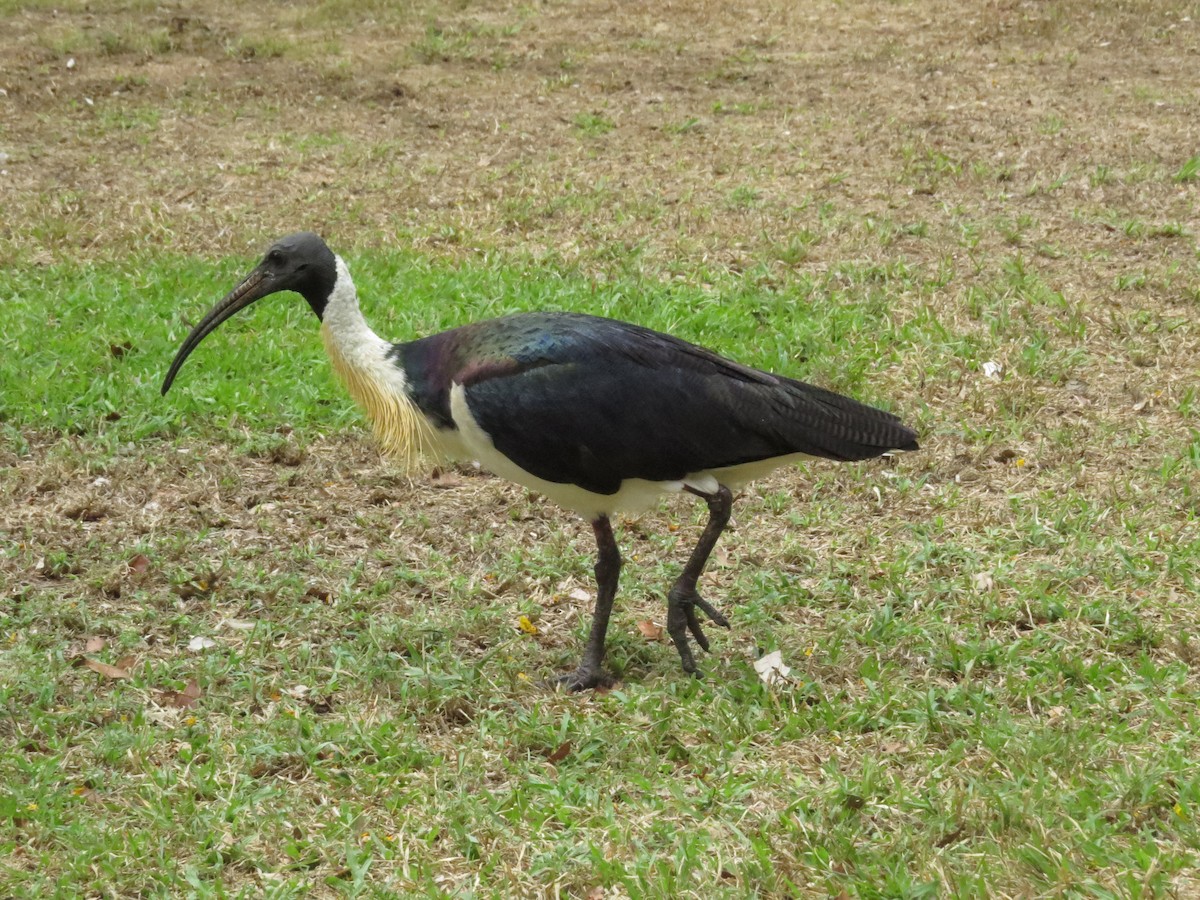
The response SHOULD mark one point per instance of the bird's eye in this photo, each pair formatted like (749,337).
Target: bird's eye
(274,256)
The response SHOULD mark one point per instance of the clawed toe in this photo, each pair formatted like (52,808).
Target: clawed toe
(582,679)
(682,620)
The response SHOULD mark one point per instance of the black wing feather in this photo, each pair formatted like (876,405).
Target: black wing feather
(605,401)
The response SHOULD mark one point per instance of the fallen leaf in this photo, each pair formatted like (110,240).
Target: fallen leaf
(127,662)
(561,753)
(580,594)
(526,626)
(771,668)
(650,630)
(140,564)
(119,350)
(182,699)
(103,668)
(200,643)
(238,624)
(992,370)
(982,581)
(94,645)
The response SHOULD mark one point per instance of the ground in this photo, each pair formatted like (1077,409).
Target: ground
(983,217)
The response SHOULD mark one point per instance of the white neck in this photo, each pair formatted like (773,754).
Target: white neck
(343,322)
(378,384)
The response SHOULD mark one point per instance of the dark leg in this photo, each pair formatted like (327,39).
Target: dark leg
(608,569)
(683,598)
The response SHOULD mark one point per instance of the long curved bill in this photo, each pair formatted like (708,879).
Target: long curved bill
(253,287)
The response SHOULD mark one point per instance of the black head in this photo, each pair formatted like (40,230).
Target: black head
(300,262)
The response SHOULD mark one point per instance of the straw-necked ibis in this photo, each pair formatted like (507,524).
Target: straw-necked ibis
(597,415)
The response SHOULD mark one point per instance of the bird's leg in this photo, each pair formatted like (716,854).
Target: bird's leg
(608,569)
(683,597)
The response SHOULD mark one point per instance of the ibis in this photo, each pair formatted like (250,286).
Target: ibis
(595,414)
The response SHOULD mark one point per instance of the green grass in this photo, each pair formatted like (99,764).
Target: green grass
(91,362)
(994,686)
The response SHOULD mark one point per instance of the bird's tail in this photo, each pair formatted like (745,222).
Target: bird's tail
(832,426)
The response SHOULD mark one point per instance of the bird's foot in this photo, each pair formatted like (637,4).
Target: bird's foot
(682,604)
(582,679)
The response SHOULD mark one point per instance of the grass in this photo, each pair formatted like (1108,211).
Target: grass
(240,655)
(995,691)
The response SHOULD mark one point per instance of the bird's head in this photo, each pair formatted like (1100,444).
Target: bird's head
(300,262)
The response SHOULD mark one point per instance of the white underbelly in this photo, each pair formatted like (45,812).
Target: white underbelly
(634,495)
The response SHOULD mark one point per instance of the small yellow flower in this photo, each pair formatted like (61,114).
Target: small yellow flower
(365,836)
(522,676)
(1020,461)
(31,807)
(190,720)
(391,838)
(811,650)
(1179,811)
(526,626)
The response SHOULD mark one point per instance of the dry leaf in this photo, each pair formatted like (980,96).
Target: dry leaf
(580,594)
(200,643)
(102,668)
(181,699)
(94,645)
(982,581)
(771,668)
(650,630)
(992,369)
(140,564)
(561,753)
(127,662)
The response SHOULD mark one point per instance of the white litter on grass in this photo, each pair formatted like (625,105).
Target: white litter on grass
(771,669)
(200,643)
(992,369)
(983,581)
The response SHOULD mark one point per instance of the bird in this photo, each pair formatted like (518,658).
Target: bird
(595,414)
